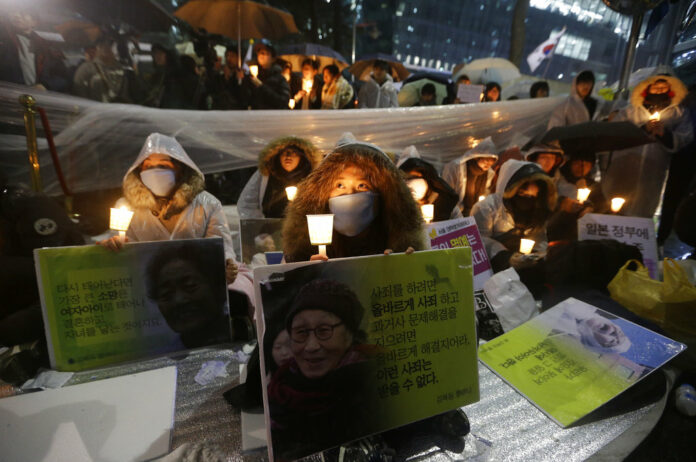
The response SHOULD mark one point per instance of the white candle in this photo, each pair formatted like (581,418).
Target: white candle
(291,104)
(254,70)
(526,246)
(291,192)
(617,203)
(655,116)
(119,220)
(583,194)
(307,85)
(428,211)
(320,230)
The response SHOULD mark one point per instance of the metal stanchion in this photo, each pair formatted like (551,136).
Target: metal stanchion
(28,102)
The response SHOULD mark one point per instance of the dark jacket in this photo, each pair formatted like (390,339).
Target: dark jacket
(273,94)
(51,71)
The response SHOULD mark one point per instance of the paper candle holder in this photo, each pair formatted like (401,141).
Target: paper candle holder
(526,246)
(428,211)
(320,230)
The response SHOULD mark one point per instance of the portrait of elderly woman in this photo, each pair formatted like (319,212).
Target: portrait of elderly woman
(322,396)
(190,291)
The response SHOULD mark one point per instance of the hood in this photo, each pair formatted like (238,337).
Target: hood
(275,147)
(485,148)
(190,182)
(530,155)
(573,87)
(677,87)
(388,81)
(399,218)
(409,152)
(514,173)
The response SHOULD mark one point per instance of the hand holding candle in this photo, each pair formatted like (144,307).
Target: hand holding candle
(320,231)
(120,220)
(307,85)
(254,70)
(583,194)
(526,246)
(655,116)
(291,192)
(291,103)
(617,203)
(428,211)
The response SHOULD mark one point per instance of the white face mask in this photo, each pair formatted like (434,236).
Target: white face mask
(418,187)
(353,212)
(160,181)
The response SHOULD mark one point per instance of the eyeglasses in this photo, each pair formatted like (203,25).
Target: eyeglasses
(322,332)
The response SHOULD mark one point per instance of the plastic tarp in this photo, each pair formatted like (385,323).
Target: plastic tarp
(97,142)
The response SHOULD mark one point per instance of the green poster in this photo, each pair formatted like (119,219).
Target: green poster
(356,346)
(574,357)
(102,307)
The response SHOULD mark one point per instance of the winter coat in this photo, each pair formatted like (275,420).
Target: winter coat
(573,110)
(273,94)
(307,102)
(250,203)
(336,94)
(398,221)
(454,172)
(374,95)
(107,83)
(638,174)
(440,194)
(494,217)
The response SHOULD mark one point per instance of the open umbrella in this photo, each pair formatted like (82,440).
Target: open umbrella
(144,15)
(297,53)
(410,90)
(363,67)
(595,137)
(489,70)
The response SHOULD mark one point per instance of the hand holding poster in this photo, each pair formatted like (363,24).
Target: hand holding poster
(101,307)
(469,93)
(573,358)
(356,346)
(629,230)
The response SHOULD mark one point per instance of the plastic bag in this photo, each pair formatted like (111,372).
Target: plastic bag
(671,304)
(510,299)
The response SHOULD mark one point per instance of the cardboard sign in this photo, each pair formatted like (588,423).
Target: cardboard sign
(101,307)
(629,230)
(469,93)
(462,232)
(258,236)
(573,358)
(356,346)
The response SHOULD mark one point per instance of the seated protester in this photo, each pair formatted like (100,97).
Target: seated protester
(283,162)
(539,90)
(427,186)
(378,91)
(524,199)
(427,95)
(491,92)
(336,92)
(269,90)
(549,158)
(165,190)
(310,75)
(372,206)
(471,175)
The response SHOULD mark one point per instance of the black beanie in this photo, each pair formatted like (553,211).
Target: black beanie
(331,296)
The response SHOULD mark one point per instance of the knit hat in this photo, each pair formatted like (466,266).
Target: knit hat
(330,296)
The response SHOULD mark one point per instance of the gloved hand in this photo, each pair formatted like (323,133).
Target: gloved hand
(521,261)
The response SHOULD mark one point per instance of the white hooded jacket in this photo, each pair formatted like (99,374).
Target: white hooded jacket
(374,95)
(454,172)
(573,111)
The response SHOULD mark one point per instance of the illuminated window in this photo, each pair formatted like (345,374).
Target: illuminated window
(574,47)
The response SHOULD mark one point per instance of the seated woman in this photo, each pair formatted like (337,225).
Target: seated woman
(283,162)
(471,175)
(427,186)
(319,398)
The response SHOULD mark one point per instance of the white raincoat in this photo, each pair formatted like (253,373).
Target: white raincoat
(454,172)
(374,95)
(573,111)
(639,174)
(493,219)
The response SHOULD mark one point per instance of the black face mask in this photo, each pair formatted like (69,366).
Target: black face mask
(657,102)
(523,204)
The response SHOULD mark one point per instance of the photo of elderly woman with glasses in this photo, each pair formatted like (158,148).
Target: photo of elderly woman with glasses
(321,397)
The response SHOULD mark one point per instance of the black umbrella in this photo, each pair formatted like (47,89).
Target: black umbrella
(594,137)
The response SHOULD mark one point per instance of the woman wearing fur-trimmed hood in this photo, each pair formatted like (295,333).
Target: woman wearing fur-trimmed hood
(373,208)
(524,199)
(283,162)
(638,174)
(471,175)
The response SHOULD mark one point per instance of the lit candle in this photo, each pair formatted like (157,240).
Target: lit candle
(291,192)
(254,70)
(655,116)
(320,231)
(120,220)
(307,85)
(291,103)
(526,246)
(617,203)
(481,198)
(583,194)
(428,211)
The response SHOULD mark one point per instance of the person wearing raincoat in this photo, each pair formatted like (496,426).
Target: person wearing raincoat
(378,91)
(549,158)
(283,162)
(471,175)
(165,190)
(524,199)
(580,106)
(427,186)
(638,174)
(336,92)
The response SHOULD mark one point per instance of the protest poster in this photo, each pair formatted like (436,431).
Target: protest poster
(573,358)
(629,230)
(258,236)
(469,93)
(356,346)
(102,307)
(462,232)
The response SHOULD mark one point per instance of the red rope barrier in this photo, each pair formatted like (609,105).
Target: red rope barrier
(54,152)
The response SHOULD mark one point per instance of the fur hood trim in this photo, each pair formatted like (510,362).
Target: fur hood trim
(275,147)
(676,86)
(399,216)
(139,196)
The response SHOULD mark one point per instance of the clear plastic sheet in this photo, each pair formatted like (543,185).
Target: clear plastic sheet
(97,142)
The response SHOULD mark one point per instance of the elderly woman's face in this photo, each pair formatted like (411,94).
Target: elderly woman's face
(350,181)
(605,332)
(326,341)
